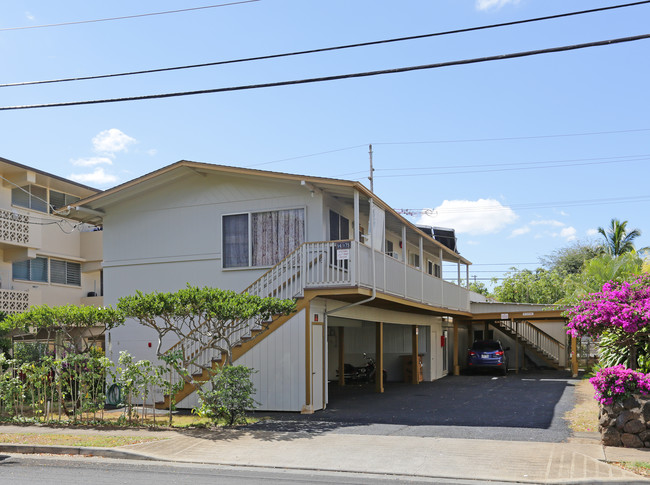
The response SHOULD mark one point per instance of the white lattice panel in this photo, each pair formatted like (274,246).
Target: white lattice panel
(14,228)
(12,301)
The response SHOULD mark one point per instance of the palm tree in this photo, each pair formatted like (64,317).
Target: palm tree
(617,240)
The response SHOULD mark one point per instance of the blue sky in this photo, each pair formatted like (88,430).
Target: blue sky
(520,156)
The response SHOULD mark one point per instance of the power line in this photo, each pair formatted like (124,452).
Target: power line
(338,77)
(623,158)
(545,166)
(468,140)
(309,51)
(542,205)
(125,17)
(306,156)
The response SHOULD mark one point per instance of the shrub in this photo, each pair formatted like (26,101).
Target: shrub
(614,384)
(230,396)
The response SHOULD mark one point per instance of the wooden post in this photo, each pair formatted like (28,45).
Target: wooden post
(574,356)
(341,356)
(415,368)
(379,357)
(456,366)
(516,325)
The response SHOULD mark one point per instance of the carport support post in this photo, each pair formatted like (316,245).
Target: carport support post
(415,368)
(341,356)
(516,326)
(379,357)
(574,356)
(456,366)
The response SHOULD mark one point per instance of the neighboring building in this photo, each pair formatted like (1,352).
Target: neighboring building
(46,257)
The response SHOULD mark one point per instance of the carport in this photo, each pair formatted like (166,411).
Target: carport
(401,350)
(534,331)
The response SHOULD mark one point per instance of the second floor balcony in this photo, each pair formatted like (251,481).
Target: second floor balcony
(346,264)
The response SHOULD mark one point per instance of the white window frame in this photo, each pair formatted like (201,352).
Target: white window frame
(48,280)
(250,235)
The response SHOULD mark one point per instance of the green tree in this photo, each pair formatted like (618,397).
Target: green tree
(65,327)
(526,286)
(479,287)
(618,240)
(571,259)
(203,318)
(598,271)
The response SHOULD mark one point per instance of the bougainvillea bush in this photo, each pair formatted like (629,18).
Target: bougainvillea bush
(620,313)
(614,384)
(621,307)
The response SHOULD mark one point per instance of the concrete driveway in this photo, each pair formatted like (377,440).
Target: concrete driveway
(524,407)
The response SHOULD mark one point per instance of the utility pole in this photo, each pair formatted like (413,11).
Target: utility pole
(372,188)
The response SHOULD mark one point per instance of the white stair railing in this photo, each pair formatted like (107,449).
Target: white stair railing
(285,281)
(536,338)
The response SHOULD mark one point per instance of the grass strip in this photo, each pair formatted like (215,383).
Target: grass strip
(73,440)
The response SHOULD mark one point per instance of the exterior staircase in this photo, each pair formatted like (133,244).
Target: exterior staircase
(538,342)
(286,281)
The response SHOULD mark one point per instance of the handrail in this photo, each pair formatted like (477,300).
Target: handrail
(541,331)
(534,336)
(287,257)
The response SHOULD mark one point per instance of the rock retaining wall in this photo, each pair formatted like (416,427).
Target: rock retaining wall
(626,424)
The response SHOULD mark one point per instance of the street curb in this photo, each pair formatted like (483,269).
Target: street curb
(75,450)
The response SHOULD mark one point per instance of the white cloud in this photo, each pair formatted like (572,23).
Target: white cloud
(547,222)
(488,4)
(112,141)
(98,177)
(568,233)
(520,231)
(91,161)
(152,152)
(29,16)
(472,243)
(592,232)
(482,216)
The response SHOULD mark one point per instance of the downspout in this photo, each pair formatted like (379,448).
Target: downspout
(374,272)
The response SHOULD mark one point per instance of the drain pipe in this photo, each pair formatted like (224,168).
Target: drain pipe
(374,274)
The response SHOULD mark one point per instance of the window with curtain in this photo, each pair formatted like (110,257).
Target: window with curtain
(273,235)
(235,241)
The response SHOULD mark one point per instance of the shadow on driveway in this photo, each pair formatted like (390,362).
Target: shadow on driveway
(528,407)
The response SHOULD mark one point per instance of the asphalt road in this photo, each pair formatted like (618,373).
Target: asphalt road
(523,407)
(50,470)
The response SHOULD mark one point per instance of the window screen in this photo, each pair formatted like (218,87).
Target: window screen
(235,241)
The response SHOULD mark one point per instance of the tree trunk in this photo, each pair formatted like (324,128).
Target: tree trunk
(633,360)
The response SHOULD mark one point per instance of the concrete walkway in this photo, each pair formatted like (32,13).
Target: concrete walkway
(578,461)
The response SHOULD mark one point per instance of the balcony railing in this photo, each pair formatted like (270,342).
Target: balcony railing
(323,266)
(14,228)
